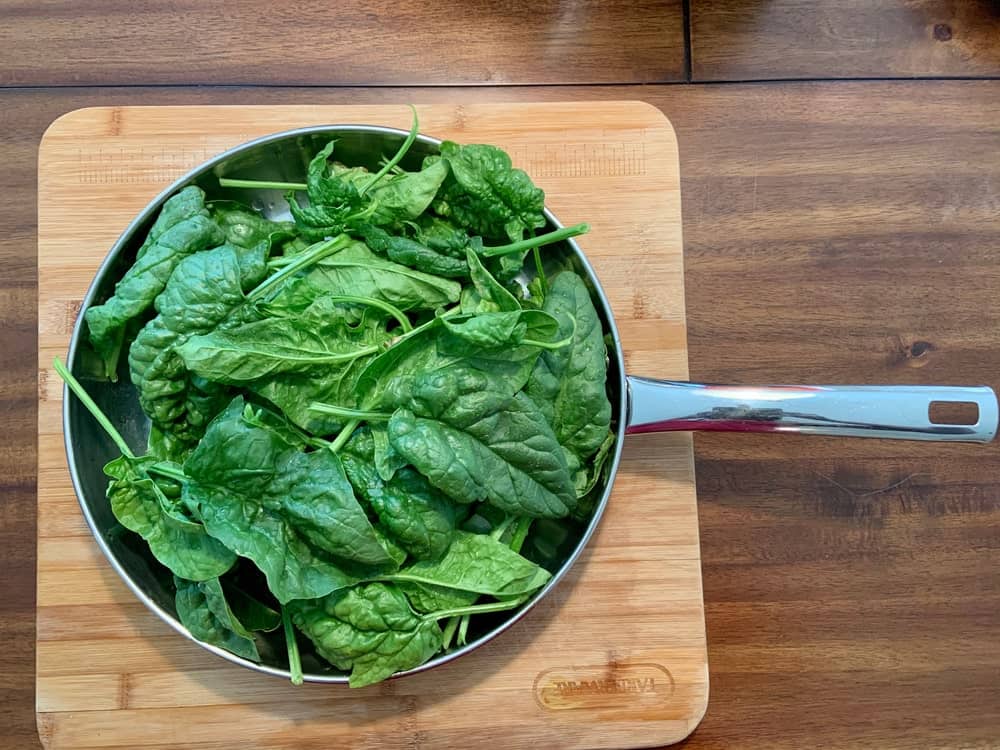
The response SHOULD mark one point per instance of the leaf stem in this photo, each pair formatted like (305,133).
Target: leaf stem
(92,407)
(449,633)
(477,609)
(502,527)
(294,661)
(347,413)
(168,471)
(520,533)
(345,435)
(463,629)
(395,312)
(531,242)
(389,165)
(261,184)
(304,259)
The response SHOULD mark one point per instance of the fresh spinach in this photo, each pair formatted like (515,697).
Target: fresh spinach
(370,630)
(135,292)
(569,383)
(292,513)
(203,610)
(411,510)
(378,405)
(480,443)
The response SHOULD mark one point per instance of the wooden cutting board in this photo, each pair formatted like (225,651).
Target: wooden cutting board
(613,658)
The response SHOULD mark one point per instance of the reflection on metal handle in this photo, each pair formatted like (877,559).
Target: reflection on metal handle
(896,411)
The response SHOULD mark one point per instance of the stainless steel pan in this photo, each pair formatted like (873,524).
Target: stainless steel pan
(639,404)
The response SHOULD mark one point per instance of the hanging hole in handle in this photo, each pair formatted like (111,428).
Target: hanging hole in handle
(953,412)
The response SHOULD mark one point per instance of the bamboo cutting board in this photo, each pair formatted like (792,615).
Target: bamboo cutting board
(613,658)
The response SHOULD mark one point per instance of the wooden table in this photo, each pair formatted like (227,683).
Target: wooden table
(835,231)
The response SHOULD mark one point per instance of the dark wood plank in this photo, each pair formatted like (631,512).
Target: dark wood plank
(316,42)
(746,40)
(834,232)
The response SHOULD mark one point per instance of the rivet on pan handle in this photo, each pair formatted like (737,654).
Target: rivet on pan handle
(901,412)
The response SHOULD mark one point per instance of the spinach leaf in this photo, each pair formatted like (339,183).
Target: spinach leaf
(334,197)
(263,348)
(407,195)
(179,544)
(204,292)
(357,271)
(486,293)
(188,202)
(418,516)
(292,513)
(463,345)
(245,227)
(486,195)
(202,609)
(368,629)
(569,384)
(412,253)
(294,392)
(135,292)
(387,460)
(427,598)
(441,236)
(486,446)
(477,563)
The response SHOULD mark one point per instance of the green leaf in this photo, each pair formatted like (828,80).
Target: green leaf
(441,236)
(205,292)
(268,347)
(387,459)
(486,293)
(357,271)
(188,202)
(429,598)
(202,609)
(369,630)
(135,292)
(487,195)
(437,348)
(292,513)
(418,516)
(336,383)
(477,563)
(408,195)
(181,545)
(411,253)
(570,384)
(244,227)
(486,446)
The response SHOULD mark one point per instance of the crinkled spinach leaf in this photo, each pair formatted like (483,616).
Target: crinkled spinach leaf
(203,610)
(569,384)
(486,195)
(138,288)
(204,292)
(475,442)
(293,513)
(181,545)
(477,563)
(416,514)
(369,630)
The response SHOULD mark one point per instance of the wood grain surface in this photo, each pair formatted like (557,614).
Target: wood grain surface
(317,42)
(630,613)
(744,40)
(851,587)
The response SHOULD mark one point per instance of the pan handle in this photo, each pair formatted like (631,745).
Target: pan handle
(894,411)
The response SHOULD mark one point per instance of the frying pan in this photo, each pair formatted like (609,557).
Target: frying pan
(638,404)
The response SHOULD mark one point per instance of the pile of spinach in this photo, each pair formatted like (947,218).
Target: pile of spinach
(359,416)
